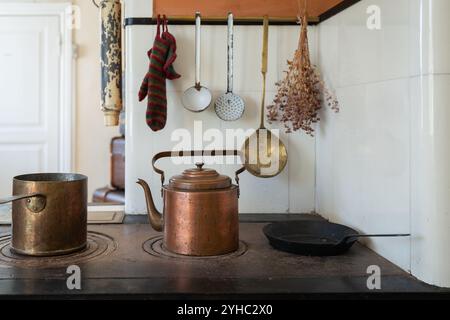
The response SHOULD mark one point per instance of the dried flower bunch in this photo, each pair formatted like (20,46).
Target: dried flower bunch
(302,92)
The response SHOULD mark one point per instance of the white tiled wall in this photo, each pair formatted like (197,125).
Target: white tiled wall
(363,153)
(382,163)
(293,190)
(430,170)
(430,204)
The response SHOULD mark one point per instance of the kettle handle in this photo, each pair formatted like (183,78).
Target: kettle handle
(195,153)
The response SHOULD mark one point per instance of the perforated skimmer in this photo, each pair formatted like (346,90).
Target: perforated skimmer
(229,106)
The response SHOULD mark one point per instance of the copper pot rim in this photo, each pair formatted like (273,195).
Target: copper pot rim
(50,178)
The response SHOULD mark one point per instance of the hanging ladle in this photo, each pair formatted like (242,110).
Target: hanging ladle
(265,155)
(197,98)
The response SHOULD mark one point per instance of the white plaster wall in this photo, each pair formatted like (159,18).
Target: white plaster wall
(293,190)
(92,138)
(382,163)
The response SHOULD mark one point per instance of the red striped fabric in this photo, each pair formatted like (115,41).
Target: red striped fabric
(161,57)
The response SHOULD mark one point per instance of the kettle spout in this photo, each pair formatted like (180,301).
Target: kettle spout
(155,217)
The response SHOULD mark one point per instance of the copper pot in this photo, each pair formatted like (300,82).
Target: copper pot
(200,209)
(49,214)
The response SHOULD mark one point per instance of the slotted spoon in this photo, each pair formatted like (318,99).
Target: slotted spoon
(229,106)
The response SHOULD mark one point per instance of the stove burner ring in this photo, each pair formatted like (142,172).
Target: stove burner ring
(154,246)
(98,245)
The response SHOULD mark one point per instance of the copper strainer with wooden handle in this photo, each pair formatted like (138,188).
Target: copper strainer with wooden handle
(265,155)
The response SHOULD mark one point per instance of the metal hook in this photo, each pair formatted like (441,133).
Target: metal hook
(95,4)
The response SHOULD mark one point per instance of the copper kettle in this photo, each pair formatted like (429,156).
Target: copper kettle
(200,215)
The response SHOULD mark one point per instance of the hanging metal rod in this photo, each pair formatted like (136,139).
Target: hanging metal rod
(190,20)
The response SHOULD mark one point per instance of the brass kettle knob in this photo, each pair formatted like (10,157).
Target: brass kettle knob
(200,165)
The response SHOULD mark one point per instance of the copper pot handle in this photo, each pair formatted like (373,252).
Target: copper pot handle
(35,201)
(195,153)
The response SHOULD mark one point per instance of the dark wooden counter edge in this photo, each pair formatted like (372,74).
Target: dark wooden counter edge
(237,297)
(142,21)
(337,9)
(294,289)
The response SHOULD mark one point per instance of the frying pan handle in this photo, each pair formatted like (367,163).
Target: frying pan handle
(355,236)
(194,153)
(35,201)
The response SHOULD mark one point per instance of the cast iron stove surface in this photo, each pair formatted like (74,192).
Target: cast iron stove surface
(98,245)
(155,247)
(126,270)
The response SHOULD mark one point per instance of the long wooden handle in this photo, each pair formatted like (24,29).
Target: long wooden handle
(265,44)
(265,54)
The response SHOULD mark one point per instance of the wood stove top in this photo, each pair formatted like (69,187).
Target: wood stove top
(132,262)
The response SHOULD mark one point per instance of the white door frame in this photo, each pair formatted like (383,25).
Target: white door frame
(66,97)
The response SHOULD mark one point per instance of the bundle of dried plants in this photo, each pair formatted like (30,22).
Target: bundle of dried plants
(302,93)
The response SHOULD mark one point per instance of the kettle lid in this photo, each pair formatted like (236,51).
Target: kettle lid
(200,179)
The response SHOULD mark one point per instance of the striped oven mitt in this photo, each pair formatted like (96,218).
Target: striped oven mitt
(161,57)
